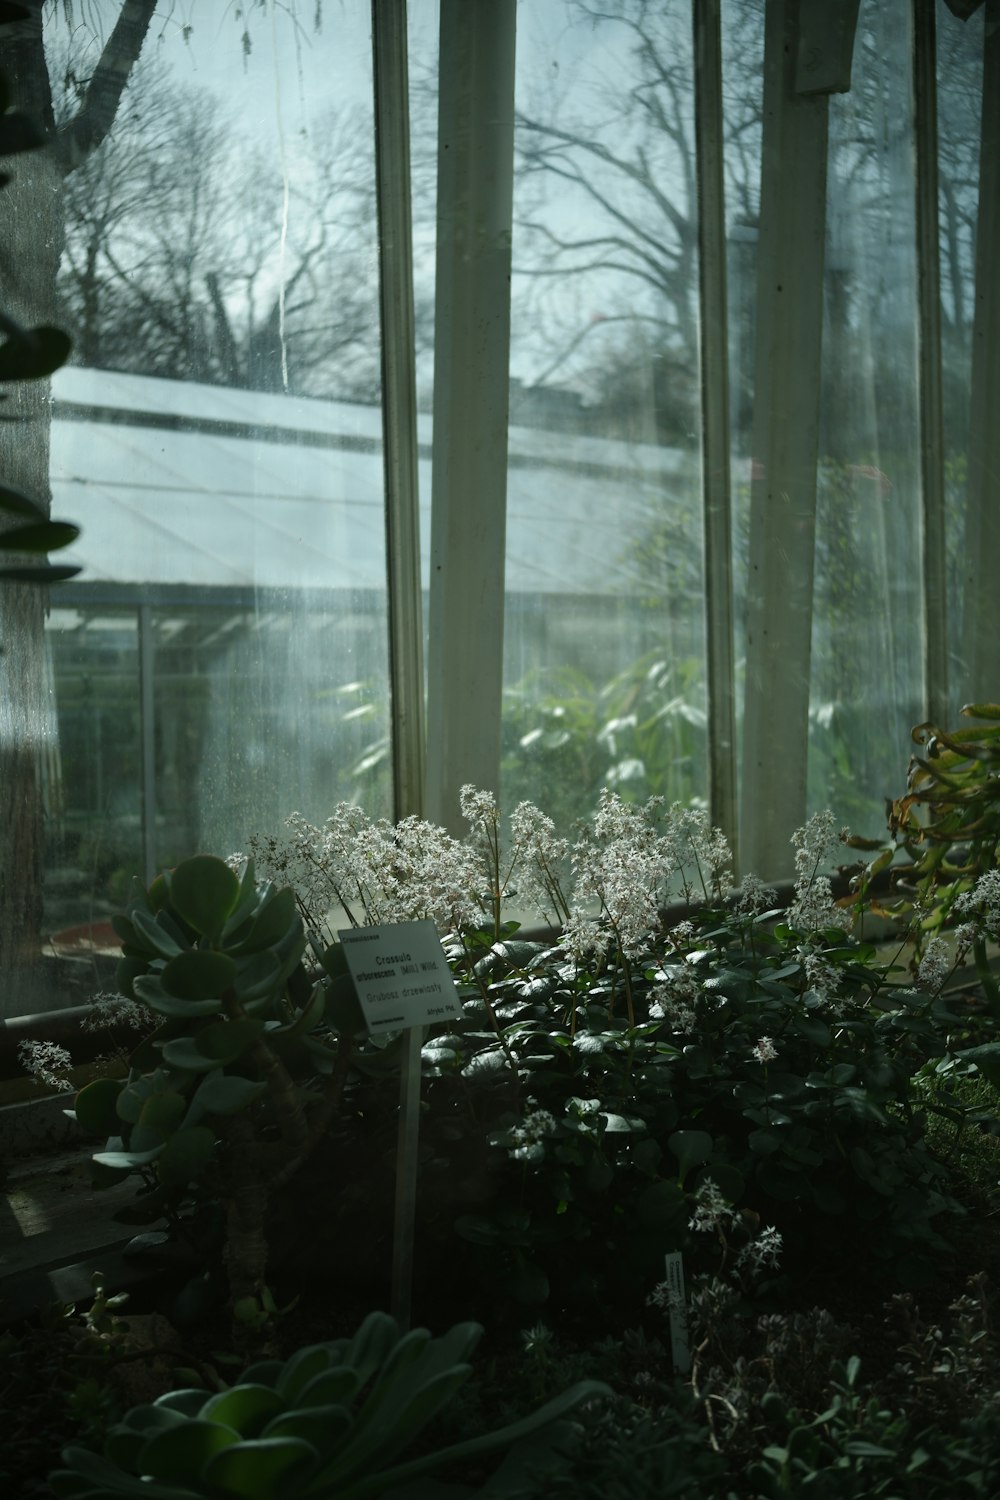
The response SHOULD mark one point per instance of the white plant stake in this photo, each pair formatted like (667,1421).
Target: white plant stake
(680,1349)
(403,982)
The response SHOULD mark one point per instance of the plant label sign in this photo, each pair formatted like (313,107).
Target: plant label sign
(679,1346)
(401,975)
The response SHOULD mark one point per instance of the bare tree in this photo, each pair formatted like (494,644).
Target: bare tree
(188,255)
(32,239)
(624,217)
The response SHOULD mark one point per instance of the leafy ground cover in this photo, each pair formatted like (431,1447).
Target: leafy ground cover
(808,1121)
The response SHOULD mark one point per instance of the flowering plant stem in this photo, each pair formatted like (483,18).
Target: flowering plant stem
(484,993)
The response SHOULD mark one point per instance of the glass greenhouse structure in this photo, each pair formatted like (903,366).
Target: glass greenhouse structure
(539,394)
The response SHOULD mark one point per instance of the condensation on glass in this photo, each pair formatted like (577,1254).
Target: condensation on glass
(222,659)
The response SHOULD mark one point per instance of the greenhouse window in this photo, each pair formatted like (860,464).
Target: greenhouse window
(546,396)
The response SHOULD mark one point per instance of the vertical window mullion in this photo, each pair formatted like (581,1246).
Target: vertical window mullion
(981,602)
(716,487)
(935,601)
(471,361)
(399,405)
(788,370)
(147,738)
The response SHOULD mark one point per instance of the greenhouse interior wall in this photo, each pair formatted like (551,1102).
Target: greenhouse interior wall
(545,395)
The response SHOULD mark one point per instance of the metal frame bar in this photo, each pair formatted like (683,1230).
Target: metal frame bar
(399,405)
(785,449)
(471,386)
(147,737)
(716,486)
(935,600)
(981,626)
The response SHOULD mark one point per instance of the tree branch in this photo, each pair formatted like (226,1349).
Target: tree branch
(95,117)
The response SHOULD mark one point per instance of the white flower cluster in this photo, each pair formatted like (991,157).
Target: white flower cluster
(982,905)
(665,1297)
(752,896)
(701,853)
(528,1135)
(765,1051)
(47,1062)
(109,1010)
(376,870)
(935,965)
(764,1250)
(815,845)
(674,997)
(540,858)
(822,979)
(712,1212)
(622,863)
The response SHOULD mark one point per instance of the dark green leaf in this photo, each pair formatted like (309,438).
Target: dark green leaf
(42,536)
(199,974)
(32,353)
(204,891)
(95,1106)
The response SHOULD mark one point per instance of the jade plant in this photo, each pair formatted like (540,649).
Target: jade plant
(946,827)
(334,1420)
(231,1091)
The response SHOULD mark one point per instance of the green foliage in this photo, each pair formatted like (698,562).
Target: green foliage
(856,1449)
(600,1135)
(219,1100)
(642,732)
(335,1419)
(630,1453)
(948,820)
(28,354)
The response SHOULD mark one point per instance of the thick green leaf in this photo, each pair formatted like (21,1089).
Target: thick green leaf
(323,1426)
(215,1045)
(19,133)
(32,353)
(261,1469)
(308,1017)
(247,1408)
(152,934)
(40,573)
(221,1094)
(204,891)
(691,1148)
(162,1113)
(259,977)
(331,1387)
(95,1106)
(182,1452)
(662,1204)
(186,1155)
(501,1439)
(42,536)
(271,923)
(199,974)
(129,1161)
(303,1366)
(13,503)
(148,989)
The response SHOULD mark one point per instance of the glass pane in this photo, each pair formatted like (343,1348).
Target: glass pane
(218,438)
(93,781)
(960,94)
(604,635)
(867,654)
(742,71)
